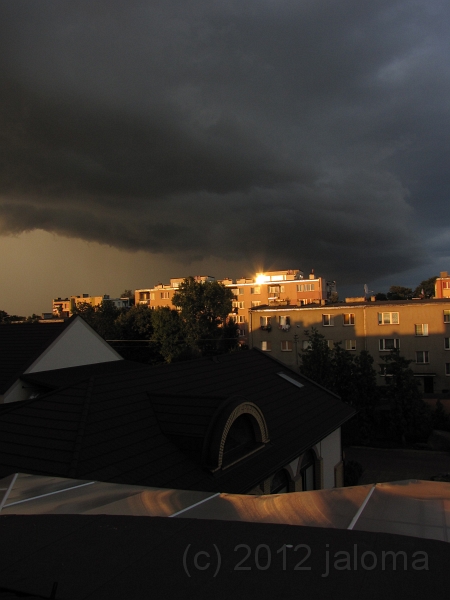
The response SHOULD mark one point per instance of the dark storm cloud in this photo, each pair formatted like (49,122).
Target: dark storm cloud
(308,132)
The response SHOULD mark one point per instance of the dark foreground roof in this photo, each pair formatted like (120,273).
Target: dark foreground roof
(131,427)
(21,344)
(109,557)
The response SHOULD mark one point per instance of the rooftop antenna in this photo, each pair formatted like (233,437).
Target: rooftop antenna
(367,291)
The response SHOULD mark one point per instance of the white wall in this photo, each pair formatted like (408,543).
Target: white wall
(77,345)
(330,450)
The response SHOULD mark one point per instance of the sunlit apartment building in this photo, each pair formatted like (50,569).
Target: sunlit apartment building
(442,285)
(64,307)
(271,288)
(419,328)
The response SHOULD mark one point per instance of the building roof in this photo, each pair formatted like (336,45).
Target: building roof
(412,507)
(21,344)
(132,426)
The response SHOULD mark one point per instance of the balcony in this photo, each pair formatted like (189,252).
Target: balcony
(266,328)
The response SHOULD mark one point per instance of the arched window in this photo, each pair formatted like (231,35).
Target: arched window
(240,440)
(280,482)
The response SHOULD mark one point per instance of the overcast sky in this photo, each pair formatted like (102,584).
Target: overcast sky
(144,140)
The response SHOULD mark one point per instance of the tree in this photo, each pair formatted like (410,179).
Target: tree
(168,332)
(426,288)
(204,312)
(349,375)
(128,294)
(410,418)
(101,318)
(6,318)
(316,359)
(135,323)
(398,292)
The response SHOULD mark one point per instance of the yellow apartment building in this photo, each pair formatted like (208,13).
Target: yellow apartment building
(269,288)
(63,307)
(442,285)
(420,329)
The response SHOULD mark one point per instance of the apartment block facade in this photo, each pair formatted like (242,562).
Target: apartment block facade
(64,307)
(442,285)
(420,329)
(270,288)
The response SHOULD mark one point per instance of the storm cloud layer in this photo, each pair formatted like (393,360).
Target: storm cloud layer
(312,132)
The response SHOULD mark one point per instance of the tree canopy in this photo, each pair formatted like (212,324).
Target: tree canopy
(398,292)
(204,308)
(426,288)
(349,375)
(410,417)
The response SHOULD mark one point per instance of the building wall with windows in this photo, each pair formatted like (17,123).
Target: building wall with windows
(64,307)
(442,285)
(268,288)
(420,329)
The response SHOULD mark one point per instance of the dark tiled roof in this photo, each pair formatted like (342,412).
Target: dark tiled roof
(58,378)
(21,344)
(131,427)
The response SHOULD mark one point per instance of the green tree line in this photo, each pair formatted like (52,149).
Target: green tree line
(200,327)
(395,411)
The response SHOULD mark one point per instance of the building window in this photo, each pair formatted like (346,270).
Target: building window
(235,291)
(388,318)
(241,332)
(236,304)
(255,290)
(240,319)
(446,285)
(421,329)
(384,371)
(447,343)
(152,296)
(349,319)
(276,289)
(165,295)
(330,344)
(266,346)
(389,344)
(241,291)
(447,368)
(241,305)
(280,483)
(327,320)
(350,344)
(306,345)
(286,346)
(305,287)
(264,321)
(284,322)
(446,316)
(255,303)
(422,357)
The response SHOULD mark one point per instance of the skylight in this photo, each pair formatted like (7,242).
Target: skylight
(291,380)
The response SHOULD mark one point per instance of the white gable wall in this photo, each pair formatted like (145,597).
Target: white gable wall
(77,345)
